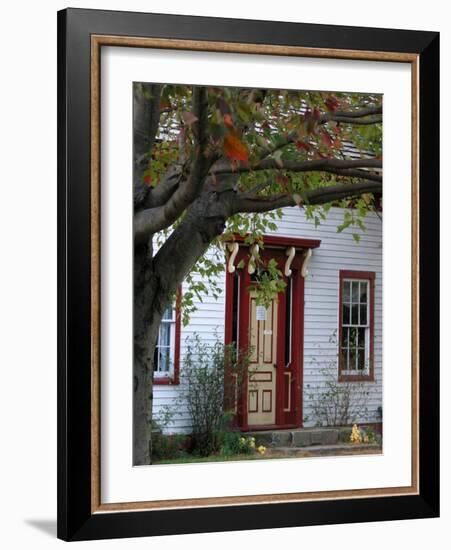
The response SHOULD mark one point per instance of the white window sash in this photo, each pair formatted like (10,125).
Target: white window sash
(365,371)
(167,374)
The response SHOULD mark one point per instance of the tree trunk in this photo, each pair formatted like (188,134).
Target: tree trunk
(146,322)
(156,281)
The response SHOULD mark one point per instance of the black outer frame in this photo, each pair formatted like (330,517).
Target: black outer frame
(75,521)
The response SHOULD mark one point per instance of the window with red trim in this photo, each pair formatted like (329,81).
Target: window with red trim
(356,330)
(167,349)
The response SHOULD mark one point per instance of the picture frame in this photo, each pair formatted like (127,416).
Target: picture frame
(81,35)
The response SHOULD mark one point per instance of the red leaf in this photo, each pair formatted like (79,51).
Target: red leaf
(165,104)
(331,103)
(148,179)
(303,145)
(326,139)
(189,118)
(235,148)
(282,181)
(308,123)
(316,113)
(228,120)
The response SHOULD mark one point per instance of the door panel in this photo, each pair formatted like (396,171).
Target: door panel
(261,406)
(273,396)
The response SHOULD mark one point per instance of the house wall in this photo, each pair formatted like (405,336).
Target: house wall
(337,251)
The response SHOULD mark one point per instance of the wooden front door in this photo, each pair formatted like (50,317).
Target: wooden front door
(261,389)
(272,396)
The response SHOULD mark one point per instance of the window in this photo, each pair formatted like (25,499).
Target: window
(356,331)
(167,349)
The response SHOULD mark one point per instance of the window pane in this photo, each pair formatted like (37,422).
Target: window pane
(345,337)
(355,329)
(167,314)
(164,359)
(363,309)
(364,292)
(352,337)
(344,359)
(165,334)
(355,314)
(355,292)
(346,292)
(361,358)
(346,314)
(361,342)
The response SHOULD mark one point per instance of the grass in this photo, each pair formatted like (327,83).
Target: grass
(273,454)
(212,458)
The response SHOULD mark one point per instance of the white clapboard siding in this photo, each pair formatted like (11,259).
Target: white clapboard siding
(337,251)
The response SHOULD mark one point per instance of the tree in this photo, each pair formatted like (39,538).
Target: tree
(210,162)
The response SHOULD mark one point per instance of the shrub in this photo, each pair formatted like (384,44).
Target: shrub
(166,447)
(370,435)
(363,435)
(163,446)
(233,443)
(210,373)
(337,403)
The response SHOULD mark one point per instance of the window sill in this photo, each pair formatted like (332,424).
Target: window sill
(166,381)
(356,377)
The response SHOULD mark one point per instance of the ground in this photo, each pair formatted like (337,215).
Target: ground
(345,449)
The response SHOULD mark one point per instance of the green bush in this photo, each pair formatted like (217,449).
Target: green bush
(166,447)
(370,435)
(211,373)
(234,443)
(336,403)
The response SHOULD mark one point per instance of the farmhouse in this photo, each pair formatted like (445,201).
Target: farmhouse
(323,331)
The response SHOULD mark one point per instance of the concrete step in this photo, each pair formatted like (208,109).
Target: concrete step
(301,437)
(341,449)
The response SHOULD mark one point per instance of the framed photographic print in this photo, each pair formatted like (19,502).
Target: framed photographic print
(248,274)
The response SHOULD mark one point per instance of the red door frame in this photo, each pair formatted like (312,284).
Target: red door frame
(274,248)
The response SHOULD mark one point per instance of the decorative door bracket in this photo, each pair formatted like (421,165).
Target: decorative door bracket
(290,252)
(233,249)
(307,256)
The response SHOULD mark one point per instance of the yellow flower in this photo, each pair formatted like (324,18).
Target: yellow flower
(356,436)
(261,449)
(251,443)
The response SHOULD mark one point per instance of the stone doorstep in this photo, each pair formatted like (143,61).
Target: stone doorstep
(303,437)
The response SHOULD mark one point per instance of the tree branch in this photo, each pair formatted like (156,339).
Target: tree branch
(349,117)
(319,165)
(323,195)
(358,121)
(151,220)
(160,194)
(146,117)
(352,114)
(355,173)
